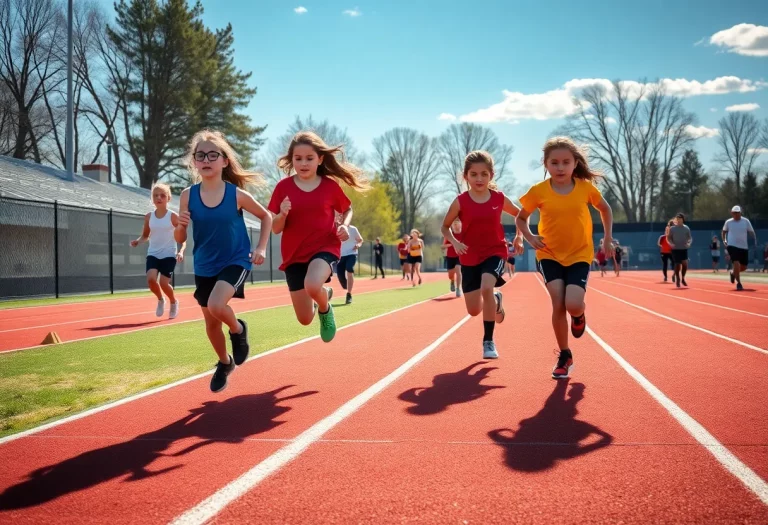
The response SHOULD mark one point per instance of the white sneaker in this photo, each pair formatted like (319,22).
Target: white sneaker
(160,308)
(453,286)
(458,292)
(500,314)
(489,350)
(174,310)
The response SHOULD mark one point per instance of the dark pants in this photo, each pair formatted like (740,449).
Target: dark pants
(379,266)
(666,258)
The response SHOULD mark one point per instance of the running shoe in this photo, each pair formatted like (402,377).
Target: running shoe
(684,283)
(489,350)
(219,379)
(240,346)
(349,298)
(564,365)
(500,314)
(174,310)
(458,292)
(327,325)
(578,325)
(739,287)
(453,286)
(733,278)
(161,307)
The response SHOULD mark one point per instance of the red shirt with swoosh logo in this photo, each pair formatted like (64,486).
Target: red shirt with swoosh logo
(481,229)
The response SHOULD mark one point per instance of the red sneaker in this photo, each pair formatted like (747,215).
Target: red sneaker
(578,325)
(564,364)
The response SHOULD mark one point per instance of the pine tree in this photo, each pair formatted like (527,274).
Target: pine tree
(689,182)
(750,194)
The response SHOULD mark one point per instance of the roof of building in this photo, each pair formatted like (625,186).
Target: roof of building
(21,179)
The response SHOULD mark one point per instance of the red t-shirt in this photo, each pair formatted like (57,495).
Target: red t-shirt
(481,228)
(402,249)
(665,247)
(451,252)
(600,256)
(309,227)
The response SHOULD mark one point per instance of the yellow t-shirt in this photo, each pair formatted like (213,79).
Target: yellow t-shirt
(565,222)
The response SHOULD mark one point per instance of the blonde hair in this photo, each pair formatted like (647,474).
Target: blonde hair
(581,171)
(478,156)
(161,186)
(416,231)
(350,174)
(233,172)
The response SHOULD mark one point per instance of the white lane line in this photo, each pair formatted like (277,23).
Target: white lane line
(732,293)
(700,329)
(686,299)
(215,503)
(724,456)
(150,392)
(174,323)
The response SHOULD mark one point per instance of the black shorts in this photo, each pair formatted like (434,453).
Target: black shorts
(679,256)
(413,259)
(511,260)
(472,276)
(715,259)
(403,261)
(164,266)
(234,275)
(739,254)
(295,273)
(347,263)
(452,262)
(602,264)
(576,274)
(666,257)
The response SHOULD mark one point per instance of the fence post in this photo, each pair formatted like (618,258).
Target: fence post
(111,256)
(270,258)
(56,245)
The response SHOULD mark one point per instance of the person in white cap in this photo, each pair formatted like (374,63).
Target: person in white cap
(736,242)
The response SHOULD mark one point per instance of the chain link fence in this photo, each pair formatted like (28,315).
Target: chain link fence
(53,249)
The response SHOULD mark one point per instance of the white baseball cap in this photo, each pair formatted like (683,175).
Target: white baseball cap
(736,209)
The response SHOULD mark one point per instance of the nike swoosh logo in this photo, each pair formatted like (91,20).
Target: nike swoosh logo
(583,280)
(495,207)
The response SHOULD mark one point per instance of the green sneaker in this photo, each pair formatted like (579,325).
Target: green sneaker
(327,325)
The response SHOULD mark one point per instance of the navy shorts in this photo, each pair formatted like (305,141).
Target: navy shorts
(233,274)
(295,273)
(472,276)
(576,274)
(413,259)
(347,263)
(164,266)
(452,262)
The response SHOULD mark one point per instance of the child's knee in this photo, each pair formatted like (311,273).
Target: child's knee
(474,311)
(217,308)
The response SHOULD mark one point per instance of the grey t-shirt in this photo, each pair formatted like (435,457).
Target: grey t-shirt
(679,237)
(736,232)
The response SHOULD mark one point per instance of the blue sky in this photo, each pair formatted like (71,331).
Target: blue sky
(404,63)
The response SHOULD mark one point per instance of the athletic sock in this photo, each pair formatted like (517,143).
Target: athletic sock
(488,330)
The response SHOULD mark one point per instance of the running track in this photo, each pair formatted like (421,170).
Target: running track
(361,431)
(23,328)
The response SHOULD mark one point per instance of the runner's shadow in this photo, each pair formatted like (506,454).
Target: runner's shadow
(553,434)
(448,389)
(232,420)
(122,325)
(441,299)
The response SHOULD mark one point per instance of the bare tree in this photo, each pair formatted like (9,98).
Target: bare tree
(636,134)
(30,30)
(459,139)
(408,161)
(739,139)
(330,133)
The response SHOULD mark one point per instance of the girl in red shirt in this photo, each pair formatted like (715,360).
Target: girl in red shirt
(452,259)
(666,251)
(304,206)
(482,249)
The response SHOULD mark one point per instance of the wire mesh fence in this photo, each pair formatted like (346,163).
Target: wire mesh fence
(52,249)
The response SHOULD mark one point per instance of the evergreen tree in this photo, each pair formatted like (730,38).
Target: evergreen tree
(750,194)
(689,182)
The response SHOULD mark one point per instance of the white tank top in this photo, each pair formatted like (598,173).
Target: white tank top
(161,241)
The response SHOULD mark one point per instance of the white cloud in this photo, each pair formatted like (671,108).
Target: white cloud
(743,107)
(559,103)
(743,39)
(610,120)
(300,10)
(446,116)
(353,12)
(699,132)
(759,151)
(713,110)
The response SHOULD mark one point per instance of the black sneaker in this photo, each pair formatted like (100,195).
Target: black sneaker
(665,278)
(685,283)
(733,278)
(564,365)
(240,346)
(219,379)
(673,277)
(739,287)
(578,325)
(349,298)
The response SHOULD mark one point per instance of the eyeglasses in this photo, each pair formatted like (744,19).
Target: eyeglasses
(212,156)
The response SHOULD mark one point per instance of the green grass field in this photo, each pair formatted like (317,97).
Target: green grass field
(746,277)
(44,384)
(44,301)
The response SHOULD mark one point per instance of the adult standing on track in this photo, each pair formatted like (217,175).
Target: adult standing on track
(679,237)
(378,252)
(714,250)
(666,252)
(735,233)
(345,270)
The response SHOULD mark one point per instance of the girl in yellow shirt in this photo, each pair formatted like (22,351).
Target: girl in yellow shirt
(564,245)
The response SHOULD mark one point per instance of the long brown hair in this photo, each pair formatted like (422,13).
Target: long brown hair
(233,172)
(476,157)
(350,174)
(581,171)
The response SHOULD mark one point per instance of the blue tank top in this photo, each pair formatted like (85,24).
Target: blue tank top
(219,233)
